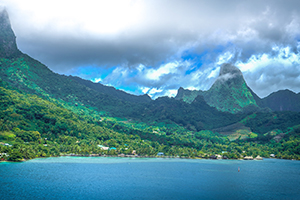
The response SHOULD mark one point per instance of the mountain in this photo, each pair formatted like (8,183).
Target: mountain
(8,46)
(229,92)
(283,100)
(30,76)
(188,96)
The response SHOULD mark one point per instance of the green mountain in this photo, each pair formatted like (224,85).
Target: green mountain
(229,93)
(283,100)
(188,96)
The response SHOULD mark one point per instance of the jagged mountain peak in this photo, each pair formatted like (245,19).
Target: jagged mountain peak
(230,75)
(8,45)
(4,19)
(230,92)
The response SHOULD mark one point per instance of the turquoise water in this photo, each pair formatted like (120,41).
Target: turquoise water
(140,178)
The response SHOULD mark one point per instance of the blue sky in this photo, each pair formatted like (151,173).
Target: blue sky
(156,46)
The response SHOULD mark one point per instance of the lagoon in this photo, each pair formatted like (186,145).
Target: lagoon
(149,178)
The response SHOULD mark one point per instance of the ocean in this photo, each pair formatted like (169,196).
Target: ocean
(149,178)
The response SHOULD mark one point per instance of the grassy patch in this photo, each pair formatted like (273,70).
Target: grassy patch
(7,135)
(253,135)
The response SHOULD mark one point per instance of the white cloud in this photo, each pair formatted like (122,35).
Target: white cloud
(155,74)
(97,80)
(92,16)
(214,73)
(277,70)
(224,58)
(153,91)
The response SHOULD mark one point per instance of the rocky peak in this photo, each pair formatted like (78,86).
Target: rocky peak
(230,75)
(227,68)
(230,92)
(8,46)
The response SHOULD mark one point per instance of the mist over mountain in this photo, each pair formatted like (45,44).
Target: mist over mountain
(230,93)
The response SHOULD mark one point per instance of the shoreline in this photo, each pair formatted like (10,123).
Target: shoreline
(128,156)
(138,156)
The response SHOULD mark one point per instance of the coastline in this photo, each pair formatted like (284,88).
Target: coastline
(126,156)
(138,156)
(163,157)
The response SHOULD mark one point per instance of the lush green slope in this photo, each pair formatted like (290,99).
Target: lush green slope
(230,92)
(29,75)
(28,118)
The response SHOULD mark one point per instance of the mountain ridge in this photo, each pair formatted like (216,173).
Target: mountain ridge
(111,90)
(229,92)
(244,99)
(30,76)
(282,100)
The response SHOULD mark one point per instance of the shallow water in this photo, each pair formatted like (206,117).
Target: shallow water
(149,178)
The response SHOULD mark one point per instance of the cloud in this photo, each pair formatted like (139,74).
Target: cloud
(276,70)
(162,45)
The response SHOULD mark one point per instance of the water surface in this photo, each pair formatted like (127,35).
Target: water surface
(151,178)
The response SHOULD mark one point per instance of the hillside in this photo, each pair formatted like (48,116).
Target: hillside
(283,100)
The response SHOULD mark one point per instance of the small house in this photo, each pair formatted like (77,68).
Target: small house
(160,154)
(248,158)
(103,147)
(258,158)
(3,154)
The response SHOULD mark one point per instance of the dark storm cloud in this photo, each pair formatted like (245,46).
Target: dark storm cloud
(63,53)
(161,32)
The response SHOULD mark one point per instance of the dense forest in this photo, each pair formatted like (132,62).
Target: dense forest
(33,127)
